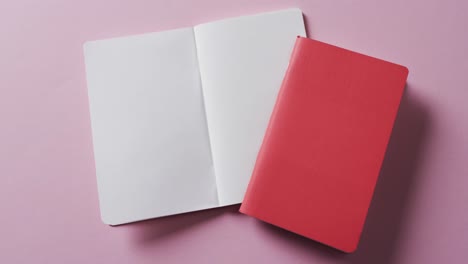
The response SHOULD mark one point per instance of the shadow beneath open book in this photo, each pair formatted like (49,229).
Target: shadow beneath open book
(394,190)
(307,25)
(156,230)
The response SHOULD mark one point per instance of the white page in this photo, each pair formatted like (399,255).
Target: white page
(150,138)
(242,63)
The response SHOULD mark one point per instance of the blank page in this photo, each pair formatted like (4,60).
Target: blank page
(242,63)
(151,142)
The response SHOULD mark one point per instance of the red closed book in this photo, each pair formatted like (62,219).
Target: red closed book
(321,155)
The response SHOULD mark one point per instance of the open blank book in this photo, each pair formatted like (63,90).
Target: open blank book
(178,116)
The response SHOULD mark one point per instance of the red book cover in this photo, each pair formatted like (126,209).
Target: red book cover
(321,155)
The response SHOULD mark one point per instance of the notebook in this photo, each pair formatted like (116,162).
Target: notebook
(319,162)
(178,116)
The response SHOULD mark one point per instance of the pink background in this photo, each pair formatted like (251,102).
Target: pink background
(48,197)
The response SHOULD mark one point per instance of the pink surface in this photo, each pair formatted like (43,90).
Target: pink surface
(48,197)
